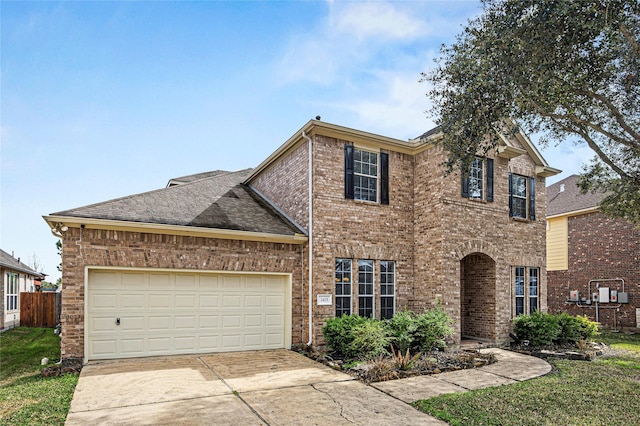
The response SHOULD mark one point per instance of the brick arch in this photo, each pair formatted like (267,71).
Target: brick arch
(476,246)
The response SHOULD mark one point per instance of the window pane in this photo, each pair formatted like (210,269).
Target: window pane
(476,179)
(343,286)
(519,305)
(387,289)
(519,186)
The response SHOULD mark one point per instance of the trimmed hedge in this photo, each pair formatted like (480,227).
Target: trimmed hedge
(542,329)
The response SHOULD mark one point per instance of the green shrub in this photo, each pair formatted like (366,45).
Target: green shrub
(432,329)
(338,334)
(548,329)
(369,339)
(539,329)
(401,329)
(575,329)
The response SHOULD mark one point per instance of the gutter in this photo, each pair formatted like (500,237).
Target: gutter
(310,236)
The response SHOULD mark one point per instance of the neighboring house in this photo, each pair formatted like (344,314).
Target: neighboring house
(587,251)
(16,278)
(259,258)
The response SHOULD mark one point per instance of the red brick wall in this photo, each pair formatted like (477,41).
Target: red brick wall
(88,247)
(599,248)
(356,229)
(286,184)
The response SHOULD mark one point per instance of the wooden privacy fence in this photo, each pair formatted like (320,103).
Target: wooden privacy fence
(39,309)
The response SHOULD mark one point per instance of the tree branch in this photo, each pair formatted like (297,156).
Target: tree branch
(581,131)
(616,114)
(629,37)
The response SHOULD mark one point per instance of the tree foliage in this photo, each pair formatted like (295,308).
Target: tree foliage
(567,69)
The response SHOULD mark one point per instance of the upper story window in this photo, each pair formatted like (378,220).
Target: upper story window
(365,169)
(366,175)
(478,183)
(522,192)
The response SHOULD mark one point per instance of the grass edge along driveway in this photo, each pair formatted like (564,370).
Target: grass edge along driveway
(605,391)
(26,397)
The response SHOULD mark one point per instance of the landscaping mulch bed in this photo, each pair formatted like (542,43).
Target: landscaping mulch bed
(385,368)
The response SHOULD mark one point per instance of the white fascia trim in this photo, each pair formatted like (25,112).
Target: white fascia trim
(575,212)
(316,127)
(156,228)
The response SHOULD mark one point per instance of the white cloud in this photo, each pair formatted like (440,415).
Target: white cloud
(382,21)
(398,111)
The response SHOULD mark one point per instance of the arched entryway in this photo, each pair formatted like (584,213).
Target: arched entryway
(478,296)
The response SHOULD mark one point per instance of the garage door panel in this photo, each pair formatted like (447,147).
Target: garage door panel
(253,321)
(134,280)
(132,323)
(274,301)
(133,346)
(103,347)
(159,345)
(208,321)
(209,301)
(274,320)
(209,343)
(104,300)
(163,314)
(159,301)
(133,301)
(160,323)
(274,340)
(253,301)
(159,281)
(185,322)
(232,301)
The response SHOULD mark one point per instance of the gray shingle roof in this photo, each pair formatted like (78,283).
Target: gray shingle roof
(430,132)
(570,199)
(190,178)
(220,201)
(9,262)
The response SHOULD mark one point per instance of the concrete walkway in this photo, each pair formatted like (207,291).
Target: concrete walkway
(266,387)
(511,367)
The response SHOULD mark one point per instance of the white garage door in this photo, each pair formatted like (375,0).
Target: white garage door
(135,313)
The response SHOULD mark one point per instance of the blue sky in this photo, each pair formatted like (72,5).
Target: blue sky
(105,99)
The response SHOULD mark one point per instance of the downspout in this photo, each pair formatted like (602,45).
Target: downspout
(310,232)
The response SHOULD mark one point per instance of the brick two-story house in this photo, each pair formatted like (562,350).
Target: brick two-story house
(335,221)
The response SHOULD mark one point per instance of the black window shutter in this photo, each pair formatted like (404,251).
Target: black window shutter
(348,171)
(490,179)
(465,183)
(510,196)
(532,198)
(384,178)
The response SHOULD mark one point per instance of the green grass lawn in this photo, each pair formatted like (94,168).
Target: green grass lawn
(25,397)
(602,392)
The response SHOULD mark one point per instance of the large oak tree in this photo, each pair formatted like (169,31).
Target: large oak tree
(569,70)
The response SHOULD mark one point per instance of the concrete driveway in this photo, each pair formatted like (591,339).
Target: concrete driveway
(277,387)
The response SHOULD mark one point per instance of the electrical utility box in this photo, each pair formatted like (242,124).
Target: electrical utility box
(623,297)
(594,297)
(604,295)
(613,296)
(574,295)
